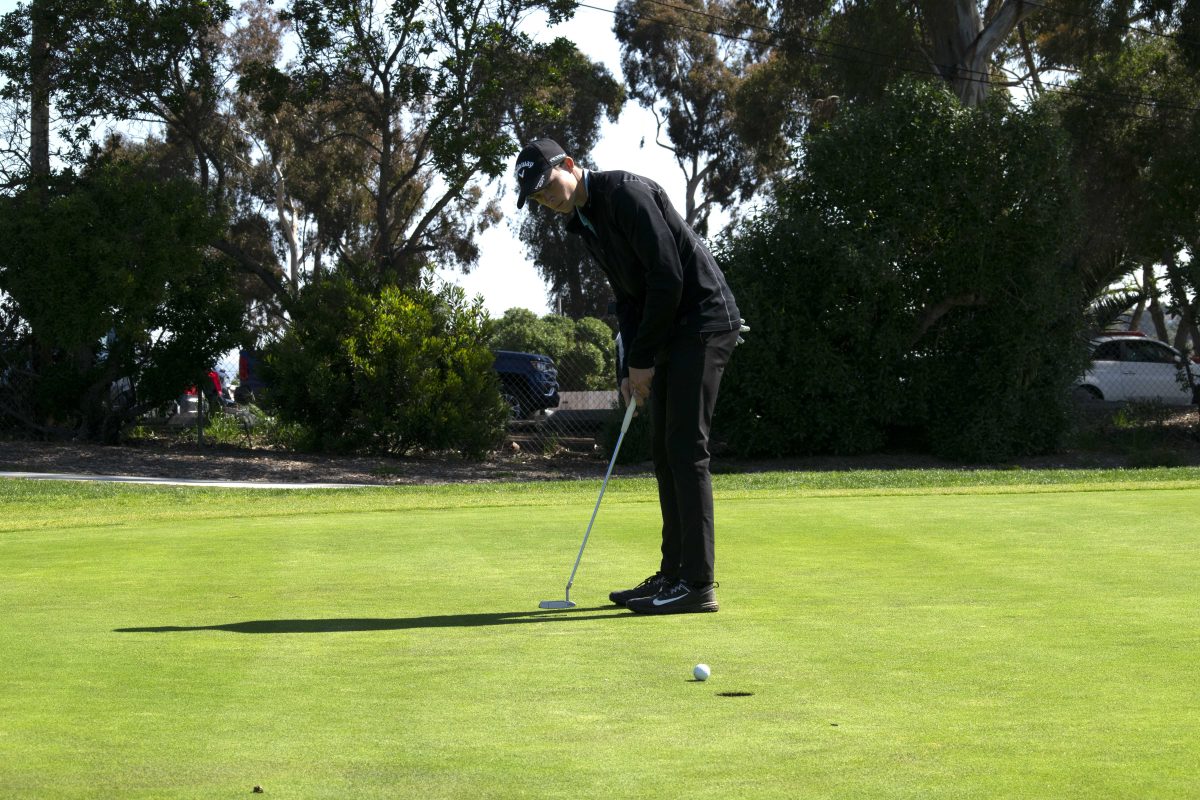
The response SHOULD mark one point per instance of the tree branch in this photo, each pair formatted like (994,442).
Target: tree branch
(451,193)
(1029,61)
(995,32)
(252,266)
(936,312)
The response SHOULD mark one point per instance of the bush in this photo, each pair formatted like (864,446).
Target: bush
(584,351)
(393,373)
(638,445)
(113,303)
(916,274)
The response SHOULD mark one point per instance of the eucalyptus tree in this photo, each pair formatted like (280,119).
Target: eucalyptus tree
(1137,161)
(106,262)
(421,88)
(569,110)
(685,62)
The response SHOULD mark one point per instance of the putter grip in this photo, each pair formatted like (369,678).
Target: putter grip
(628,415)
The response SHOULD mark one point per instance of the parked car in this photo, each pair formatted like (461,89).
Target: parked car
(1131,366)
(528,381)
(250,383)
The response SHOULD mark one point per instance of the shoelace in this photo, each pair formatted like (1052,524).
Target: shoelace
(684,586)
(655,578)
(678,587)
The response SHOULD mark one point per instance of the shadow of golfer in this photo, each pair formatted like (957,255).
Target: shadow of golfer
(349,625)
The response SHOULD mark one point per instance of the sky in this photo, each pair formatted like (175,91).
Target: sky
(505,277)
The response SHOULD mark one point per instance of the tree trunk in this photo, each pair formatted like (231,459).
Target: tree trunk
(39,96)
(317,250)
(577,305)
(963,42)
(1150,281)
(287,224)
(1135,320)
(383,195)
(1187,310)
(39,153)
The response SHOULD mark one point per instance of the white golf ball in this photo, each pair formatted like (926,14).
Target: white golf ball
(701,671)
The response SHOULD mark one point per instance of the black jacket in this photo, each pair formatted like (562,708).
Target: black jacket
(664,278)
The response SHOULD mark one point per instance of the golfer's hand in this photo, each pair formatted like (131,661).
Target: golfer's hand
(639,383)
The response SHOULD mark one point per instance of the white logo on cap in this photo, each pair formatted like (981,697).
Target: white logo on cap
(524,165)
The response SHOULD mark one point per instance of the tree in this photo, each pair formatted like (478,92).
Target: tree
(415,91)
(818,56)
(584,350)
(144,61)
(115,304)
(964,40)
(14,167)
(394,371)
(920,241)
(424,89)
(692,58)
(577,285)
(568,110)
(108,279)
(1140,186)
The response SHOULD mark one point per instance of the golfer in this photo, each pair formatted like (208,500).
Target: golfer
(679,323)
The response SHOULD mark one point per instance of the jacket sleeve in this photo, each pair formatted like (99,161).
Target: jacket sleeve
(628,316)
(642,222)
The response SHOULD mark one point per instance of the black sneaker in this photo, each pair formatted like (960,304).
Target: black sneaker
(647,588)
(679,597)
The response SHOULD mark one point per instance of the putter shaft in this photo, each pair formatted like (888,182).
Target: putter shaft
(624,428)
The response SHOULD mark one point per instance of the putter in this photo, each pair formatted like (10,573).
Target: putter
(624,427)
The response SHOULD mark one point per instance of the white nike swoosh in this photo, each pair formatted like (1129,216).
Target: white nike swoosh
(658,602)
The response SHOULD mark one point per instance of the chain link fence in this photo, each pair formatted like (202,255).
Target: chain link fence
(548,420)
(1132,367)
(1140,399)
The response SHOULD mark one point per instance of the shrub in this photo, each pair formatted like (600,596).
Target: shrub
(390,373)
(638,445)
(112,302)
(916,273)
(584,350)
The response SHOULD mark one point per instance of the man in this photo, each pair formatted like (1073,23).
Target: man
(679,323)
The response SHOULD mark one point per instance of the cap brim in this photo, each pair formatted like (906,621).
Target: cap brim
(530,187)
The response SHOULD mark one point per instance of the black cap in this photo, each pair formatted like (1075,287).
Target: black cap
(534,165)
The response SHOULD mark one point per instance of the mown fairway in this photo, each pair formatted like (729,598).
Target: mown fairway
(924,635)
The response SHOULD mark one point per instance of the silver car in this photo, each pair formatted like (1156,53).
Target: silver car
(1133,367)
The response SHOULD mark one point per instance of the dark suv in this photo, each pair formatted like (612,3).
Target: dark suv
(528,381)
(250,382)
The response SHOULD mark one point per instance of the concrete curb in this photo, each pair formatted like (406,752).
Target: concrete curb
(70,476)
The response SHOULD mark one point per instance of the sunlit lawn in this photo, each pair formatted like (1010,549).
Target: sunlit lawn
(924,635)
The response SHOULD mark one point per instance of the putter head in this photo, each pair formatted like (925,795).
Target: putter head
(556,604)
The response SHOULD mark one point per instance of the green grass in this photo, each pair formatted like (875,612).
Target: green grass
(903,634)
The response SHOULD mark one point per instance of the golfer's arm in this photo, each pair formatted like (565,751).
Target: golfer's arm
(655,247)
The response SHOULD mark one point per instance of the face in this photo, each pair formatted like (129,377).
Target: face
(559,192)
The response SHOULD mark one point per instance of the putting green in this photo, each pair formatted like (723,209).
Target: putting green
(921,641)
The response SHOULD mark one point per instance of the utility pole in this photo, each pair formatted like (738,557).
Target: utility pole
(39,95)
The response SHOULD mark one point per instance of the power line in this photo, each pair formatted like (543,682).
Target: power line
(895,60)
(775,32)
(1092,18)
(1060,87)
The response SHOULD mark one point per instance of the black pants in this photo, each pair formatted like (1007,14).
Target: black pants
(687,376)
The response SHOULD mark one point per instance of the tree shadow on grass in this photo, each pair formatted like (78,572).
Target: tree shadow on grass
(350,625)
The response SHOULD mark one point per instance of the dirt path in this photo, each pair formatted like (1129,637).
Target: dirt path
(239,464)
(265,466)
